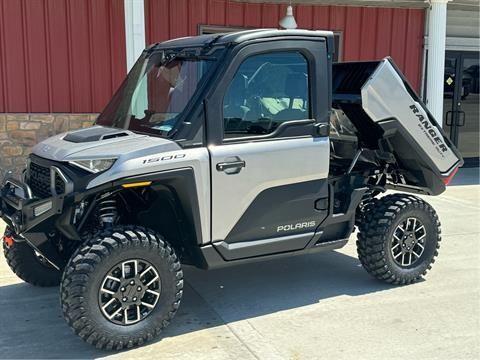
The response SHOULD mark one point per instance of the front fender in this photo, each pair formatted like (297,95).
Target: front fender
(173,211)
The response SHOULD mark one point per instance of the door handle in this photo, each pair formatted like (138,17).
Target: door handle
(455,117)
(449,118)
(460,118)
(238,164)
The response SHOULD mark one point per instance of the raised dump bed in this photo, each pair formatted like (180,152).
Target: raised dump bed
(385,111)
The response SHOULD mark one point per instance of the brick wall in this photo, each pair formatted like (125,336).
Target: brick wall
(20,132)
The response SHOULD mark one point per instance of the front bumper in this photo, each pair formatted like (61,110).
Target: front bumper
(32,219)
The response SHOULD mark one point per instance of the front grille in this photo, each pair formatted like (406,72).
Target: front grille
(59,184)
(39,180)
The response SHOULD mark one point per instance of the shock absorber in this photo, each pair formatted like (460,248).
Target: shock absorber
(107,211)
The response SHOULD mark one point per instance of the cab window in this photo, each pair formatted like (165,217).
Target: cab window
(267,90)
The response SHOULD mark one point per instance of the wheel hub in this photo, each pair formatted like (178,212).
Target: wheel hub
(408,242)
(129,292)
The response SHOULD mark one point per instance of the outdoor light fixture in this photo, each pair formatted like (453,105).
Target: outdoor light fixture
(288,22)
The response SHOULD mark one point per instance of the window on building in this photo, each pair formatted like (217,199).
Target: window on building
(256,102)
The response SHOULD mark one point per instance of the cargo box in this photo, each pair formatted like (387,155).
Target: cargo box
(384,109)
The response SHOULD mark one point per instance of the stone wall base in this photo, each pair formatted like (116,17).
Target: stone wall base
(20,132)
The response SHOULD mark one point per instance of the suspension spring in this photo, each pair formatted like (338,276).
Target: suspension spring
(107,212)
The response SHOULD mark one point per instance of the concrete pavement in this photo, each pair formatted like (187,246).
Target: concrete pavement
(304,307)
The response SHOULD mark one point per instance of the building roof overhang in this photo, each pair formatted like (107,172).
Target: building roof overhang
(470,5)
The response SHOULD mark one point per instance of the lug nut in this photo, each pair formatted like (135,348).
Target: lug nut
(134,298)
(124,299)
(139,288)
(122,289)
(132,282)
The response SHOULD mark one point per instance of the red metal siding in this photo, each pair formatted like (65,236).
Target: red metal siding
(60,56)
(69,55)
(368,33)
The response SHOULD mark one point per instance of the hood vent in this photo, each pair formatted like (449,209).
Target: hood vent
(112,136)
(95,133)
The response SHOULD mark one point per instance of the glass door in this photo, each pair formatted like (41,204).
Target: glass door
(461,103)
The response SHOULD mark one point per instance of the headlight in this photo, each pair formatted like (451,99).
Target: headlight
(94,166)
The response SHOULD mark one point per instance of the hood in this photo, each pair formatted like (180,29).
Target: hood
(100,142)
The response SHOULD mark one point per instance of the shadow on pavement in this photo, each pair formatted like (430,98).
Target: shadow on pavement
(33,326)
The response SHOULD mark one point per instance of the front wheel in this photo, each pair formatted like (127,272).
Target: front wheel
(121,288)
(30,266)
(398,239)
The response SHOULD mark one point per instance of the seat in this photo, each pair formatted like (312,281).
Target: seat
(234,103)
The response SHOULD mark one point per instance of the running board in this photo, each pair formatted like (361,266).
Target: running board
(213,259)
(244,249)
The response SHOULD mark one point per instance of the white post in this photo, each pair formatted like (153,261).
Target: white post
(134,30)
(437,29)
(135,43)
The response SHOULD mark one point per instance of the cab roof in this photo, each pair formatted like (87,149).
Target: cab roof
(243,36)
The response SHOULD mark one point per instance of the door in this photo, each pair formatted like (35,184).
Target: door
(461,103)
(269,171)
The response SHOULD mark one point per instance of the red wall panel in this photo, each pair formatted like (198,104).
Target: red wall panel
(399,31)
(35,45)
(235,14)
(337,17)
(14,63)
(69,55)
(60,56)
(177,15)
(368,33)
(270,15)
(303,16)
(253,15)
(320,18)
(383,36)
(157,21)
(197,15)
(216,12)
(352,40)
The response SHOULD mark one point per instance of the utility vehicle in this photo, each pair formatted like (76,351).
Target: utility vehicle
(222,149)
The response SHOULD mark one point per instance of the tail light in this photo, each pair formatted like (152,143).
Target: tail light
(449,178)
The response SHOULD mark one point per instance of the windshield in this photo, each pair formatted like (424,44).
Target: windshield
(156,92)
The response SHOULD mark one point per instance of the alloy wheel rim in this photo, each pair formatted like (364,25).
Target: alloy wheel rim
(408,242)
(129,292)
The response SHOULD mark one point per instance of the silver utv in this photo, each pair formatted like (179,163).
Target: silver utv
(222,149)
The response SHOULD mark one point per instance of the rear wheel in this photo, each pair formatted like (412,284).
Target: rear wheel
(30,266)
(121,288)
(399,238)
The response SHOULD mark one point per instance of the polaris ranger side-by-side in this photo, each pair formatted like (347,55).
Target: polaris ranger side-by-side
(217,150)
